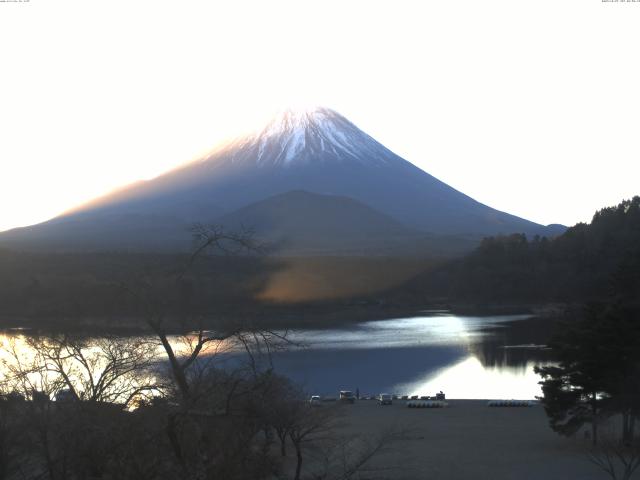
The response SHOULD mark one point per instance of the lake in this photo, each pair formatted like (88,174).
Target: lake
(467,357)
(464,356)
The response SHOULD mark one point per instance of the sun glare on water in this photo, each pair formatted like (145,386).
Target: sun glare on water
(469,379)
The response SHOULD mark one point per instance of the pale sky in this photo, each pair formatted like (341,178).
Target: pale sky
(532,107)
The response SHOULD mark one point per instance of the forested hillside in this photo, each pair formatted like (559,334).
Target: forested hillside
(91,288)
(580,265)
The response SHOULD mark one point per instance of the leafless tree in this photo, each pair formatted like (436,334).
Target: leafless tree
(618,458)
(284,409)
(12,457)
(199,340)
(102,369)
(331,453)
(190,346)
(309,425)
(350,456)
(93,380)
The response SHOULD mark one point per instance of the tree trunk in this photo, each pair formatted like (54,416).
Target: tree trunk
(4,458)
(594,419)
(172,433)
(176,368)
(282,436)
(299,461)
(625,427)
(44,438)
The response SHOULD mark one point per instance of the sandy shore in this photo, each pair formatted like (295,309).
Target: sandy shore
(469,440)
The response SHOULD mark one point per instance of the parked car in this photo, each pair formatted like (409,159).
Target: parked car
(65,395)
(385,399)
(315,401)
(347,396)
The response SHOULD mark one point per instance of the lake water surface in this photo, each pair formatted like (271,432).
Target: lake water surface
(464,356)
(468,357)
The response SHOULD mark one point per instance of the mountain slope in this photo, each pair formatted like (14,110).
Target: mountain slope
(317,151)
(108,231)
(304,222)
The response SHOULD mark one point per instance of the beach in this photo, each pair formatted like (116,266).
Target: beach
(468,440)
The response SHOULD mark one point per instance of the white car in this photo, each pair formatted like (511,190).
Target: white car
(315,400)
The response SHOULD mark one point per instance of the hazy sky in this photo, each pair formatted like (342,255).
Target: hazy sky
(532,107)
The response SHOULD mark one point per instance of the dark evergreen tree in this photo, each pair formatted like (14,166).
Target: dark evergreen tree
(598,374)
(575,391)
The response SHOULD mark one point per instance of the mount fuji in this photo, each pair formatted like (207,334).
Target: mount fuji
(309,179)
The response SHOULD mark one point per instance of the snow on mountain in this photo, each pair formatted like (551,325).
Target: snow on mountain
(302,136)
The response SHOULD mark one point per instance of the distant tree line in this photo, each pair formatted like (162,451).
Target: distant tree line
(82,290)
(64,290)
(577,266)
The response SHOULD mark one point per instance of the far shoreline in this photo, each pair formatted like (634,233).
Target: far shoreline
(280,317)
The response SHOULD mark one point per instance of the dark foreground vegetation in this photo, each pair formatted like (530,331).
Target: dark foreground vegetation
(116,415)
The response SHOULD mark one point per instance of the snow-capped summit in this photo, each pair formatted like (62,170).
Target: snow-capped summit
(307,135)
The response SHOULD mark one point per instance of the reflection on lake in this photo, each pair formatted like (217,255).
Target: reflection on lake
(463,356)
